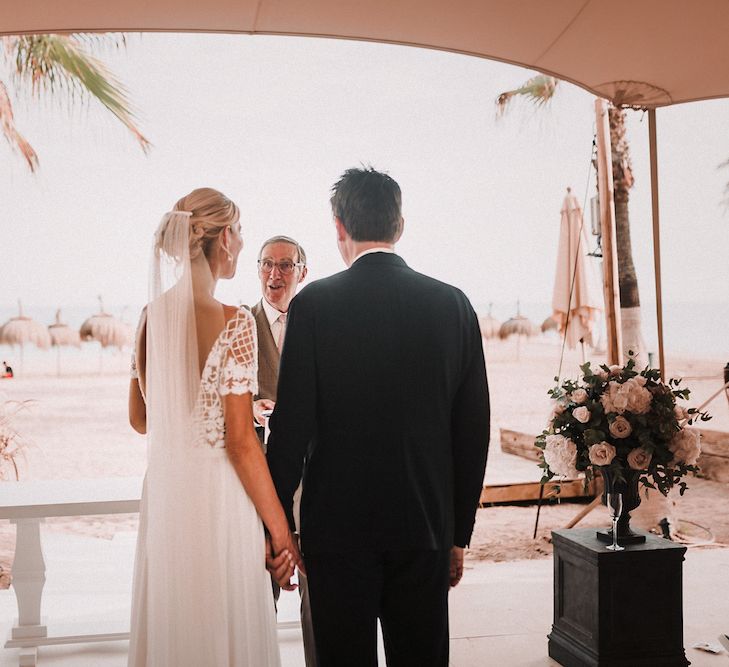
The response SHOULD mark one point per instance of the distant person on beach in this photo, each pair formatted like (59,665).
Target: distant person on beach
(7,370)
(383,404)
(201,592)
(281,269)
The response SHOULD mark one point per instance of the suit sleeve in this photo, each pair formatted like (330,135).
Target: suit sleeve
(470,427)
(293,421)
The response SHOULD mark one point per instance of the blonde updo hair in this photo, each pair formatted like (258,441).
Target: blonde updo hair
(210,212)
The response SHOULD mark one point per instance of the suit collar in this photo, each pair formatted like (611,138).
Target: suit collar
(379,259)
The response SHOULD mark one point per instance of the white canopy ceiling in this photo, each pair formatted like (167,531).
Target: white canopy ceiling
(646,53)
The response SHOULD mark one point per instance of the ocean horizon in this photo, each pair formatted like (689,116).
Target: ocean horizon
(691,329)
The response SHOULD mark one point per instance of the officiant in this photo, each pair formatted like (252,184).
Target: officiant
(281,269)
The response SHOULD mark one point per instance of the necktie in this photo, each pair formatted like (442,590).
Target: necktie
(281,330)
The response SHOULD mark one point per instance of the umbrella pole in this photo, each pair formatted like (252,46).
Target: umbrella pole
(656,236)
(613,324)
(58,360)
(539,509)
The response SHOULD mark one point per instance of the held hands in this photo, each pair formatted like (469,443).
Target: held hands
(286,559)
(456,566)
(259,407)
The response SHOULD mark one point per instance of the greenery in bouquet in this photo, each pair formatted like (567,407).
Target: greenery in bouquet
(621,419)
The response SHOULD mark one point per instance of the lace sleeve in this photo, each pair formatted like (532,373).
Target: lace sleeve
(239,369)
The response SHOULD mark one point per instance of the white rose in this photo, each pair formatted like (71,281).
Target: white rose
(579,396)
(581,414)
(640,380)
(557,409)
(601,454)
(560,454)
(680,412)
(620,427)
(639,399)
(686,446)
(620,402)
(615,370)
(639,458)
(615,398)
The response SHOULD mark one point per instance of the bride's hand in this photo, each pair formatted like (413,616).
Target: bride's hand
(287,557)
(280,566)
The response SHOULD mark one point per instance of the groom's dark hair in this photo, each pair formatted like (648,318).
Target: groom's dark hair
(369,205)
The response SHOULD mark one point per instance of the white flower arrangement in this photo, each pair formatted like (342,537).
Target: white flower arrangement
(621,419)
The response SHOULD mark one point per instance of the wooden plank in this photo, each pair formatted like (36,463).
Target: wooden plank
(714,442)
(714,467)
(714,459)
(509,493)
(519,444)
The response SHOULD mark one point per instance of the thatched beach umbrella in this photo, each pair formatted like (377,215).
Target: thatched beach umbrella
(550,324)
(106,330)
(62,335)
(489,325)
(22,330)
(517,326)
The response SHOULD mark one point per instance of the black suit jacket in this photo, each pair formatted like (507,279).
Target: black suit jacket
(382,389)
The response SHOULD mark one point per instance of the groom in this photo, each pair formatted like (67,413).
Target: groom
(383,402)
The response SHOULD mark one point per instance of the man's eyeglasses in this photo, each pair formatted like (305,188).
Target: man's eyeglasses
(285,268)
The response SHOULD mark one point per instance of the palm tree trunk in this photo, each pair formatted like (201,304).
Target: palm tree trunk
(627,278)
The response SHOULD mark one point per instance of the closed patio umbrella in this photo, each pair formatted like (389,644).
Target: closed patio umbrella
(576,300)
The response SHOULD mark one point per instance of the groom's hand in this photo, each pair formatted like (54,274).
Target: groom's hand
(456,568)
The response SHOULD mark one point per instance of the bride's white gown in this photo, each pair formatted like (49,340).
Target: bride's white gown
(202,596)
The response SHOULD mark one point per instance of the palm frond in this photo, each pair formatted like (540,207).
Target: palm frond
(59,62)
(15,139)
(539,90)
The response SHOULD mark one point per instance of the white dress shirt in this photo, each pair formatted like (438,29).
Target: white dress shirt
(278,328)
(371,250)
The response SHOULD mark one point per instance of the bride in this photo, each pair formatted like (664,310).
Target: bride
(202,595)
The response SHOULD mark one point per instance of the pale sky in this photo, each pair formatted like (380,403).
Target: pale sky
(273,121)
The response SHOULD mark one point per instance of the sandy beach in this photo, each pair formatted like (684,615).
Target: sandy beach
(76,427)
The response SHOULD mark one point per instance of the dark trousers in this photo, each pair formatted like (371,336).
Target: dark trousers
(406,590)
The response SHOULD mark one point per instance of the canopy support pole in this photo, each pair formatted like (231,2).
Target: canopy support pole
(613,322)
(656,237)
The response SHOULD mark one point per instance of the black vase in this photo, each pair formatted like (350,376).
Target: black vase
(628,487)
